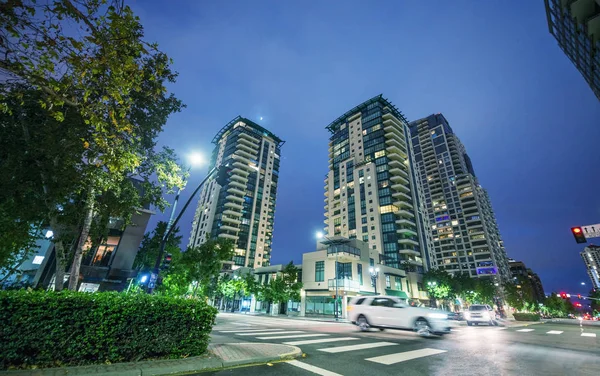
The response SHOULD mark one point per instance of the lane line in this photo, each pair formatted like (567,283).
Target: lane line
(323,340)
(250,330)
(503,328)
(313,369)
(555,332)
(270,333)
(339,349)
(525,330)
(588,335)
(404,356)
(294,336)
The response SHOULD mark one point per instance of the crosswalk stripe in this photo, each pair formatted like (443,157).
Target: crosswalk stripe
(294,336)
(404,356)
(555,332)
(322,340)
(339,349)
(311,368)
(250,330)
(525,330)
(503,328)
(588,334)
(270,333)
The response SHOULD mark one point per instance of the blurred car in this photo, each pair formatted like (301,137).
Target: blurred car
(481,314)
(458,316)
(389,312)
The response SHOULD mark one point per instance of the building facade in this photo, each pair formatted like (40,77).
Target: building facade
(520,272)
(370,190)
(341,268)
(591,259)
(243,209)
(576,26)
(461,221)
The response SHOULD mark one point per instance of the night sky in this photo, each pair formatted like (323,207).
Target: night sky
(527,117)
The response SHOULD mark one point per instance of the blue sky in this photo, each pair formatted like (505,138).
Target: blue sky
(525,114)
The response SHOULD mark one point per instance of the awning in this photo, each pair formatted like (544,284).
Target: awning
(400,294)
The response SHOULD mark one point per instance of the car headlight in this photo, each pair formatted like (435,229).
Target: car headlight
(438,316)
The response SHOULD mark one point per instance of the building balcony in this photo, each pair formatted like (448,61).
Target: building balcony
(237,184)
(240,171)
(404,204)
(235,221)
(247,148)
(240,178)
(398,178)
(228,236)
(346,254)
(247,138)
(237,191)
(245,160)
(408,241)
(343,285)
(406,221)
(405,213)
(244,153)
(232,213)
(407,231)
(402,187)
(234,198)
(233,205)
(229,228)
(399,194)
(408,251)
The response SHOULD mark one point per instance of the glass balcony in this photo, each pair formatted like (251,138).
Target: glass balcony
(343,285)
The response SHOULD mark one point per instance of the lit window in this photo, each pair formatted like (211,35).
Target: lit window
(37,260)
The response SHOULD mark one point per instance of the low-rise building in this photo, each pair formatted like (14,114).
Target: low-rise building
(357,274)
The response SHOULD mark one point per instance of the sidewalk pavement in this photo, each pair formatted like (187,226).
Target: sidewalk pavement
(220,355)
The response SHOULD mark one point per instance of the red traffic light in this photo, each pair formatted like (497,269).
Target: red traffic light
(578,234)
(579,296)
(578,305)
(563,295)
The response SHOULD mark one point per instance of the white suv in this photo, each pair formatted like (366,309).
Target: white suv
(390,312)
(480,313)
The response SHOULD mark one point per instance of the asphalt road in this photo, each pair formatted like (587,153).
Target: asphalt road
(539,349)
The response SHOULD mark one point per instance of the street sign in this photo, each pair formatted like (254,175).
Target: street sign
(591,231)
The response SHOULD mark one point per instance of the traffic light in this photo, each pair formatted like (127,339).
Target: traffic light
(167,261)
(563,295)
(223,174)
(578,305)
(579,296)
(578,234)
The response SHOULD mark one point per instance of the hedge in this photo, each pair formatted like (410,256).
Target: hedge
(49,329)
(526,316)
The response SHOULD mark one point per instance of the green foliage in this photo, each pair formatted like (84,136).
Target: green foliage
(148,252)
(520,295)
(557,306)
(283,288)
(46,329)
(527,316)
(446,287)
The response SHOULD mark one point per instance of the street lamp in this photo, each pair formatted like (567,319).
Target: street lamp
(582,283)
(320,235)
(195,159)
(374,274)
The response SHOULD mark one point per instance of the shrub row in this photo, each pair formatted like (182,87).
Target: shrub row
(526,316)
(46,329)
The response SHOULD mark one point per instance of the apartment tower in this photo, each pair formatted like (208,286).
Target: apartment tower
(243,208)
(465,235)
(370,189)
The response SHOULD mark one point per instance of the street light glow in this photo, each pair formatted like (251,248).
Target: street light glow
(196,159)
(319,235)
(582,283)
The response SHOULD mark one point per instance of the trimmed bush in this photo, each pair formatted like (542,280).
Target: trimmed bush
(526,316)
(48,329)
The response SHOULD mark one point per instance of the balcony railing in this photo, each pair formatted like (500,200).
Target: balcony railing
(344,284)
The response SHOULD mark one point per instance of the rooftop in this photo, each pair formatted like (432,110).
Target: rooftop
(360,107)
(258,128)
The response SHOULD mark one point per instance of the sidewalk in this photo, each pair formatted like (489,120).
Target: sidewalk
(220,355)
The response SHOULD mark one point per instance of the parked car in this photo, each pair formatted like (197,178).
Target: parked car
(481,314)
(389,312)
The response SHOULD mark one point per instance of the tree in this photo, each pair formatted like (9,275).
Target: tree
(284,287)
(438,284)
(148,252)
(99,77)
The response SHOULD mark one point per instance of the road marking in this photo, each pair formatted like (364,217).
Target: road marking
(270,333)
(313,369)
(241,324)
(323,340)
(588,334)
(339,349)
(250,330)
(404,356)
(525,330)
(555,332)
(294,336)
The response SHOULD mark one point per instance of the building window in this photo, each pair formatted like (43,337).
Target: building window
(387,281)
(319,271)
(359,272)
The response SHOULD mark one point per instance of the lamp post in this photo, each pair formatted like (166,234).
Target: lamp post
(374,274)
(195,159)
(320,235)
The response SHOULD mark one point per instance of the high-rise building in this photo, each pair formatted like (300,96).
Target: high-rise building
(520,273)
(370,191)
(591,258)
(461,220)
(242,210)
(576,26)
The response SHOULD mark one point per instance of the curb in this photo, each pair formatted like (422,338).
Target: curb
(156,367)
